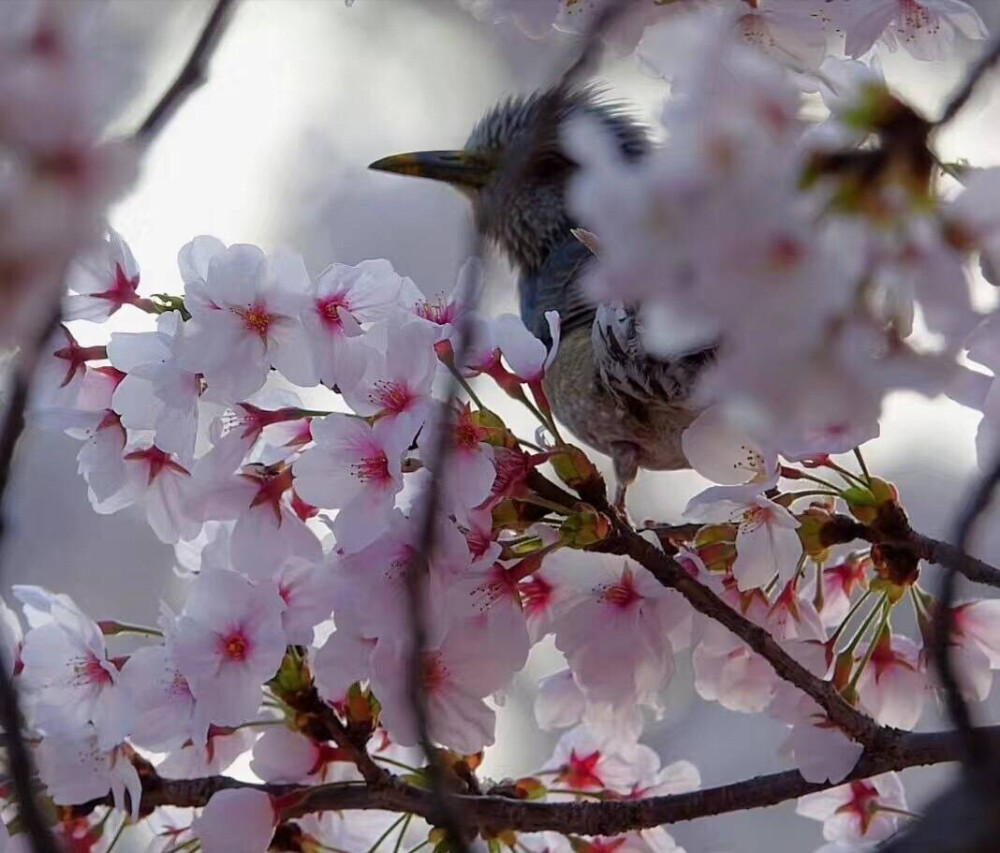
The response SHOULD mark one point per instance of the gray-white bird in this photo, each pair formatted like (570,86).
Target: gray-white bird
(603,385)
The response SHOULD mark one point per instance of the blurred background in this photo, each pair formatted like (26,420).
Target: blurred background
(302,95)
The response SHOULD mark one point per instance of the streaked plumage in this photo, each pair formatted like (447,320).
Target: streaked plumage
(603,385)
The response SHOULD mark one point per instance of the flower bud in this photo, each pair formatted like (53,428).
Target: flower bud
(584,527)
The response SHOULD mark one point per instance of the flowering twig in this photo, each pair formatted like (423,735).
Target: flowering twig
(841,529)
(897,751)
(671,574)
(192,75)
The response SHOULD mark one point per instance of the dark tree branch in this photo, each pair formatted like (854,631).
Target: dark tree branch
(671,574)
(192,75)
(985,62)
(841,529)
(19,758)
(897,751)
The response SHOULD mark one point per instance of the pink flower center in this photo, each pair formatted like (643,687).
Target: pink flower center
(256,319)
(392,397)
(580,773)
(434,672)
(123,291)
(372,469)
(622,594)
(863,803)
(329,310)
(439,312)
(536,595)
(89,671)
(235,646)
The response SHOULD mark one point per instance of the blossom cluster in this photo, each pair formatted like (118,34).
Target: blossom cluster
(284,429)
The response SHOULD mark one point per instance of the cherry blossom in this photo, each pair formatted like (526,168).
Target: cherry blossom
(342,299)
(355,468)
(245,312)
(75,769)
(766,542)
(894,685)
(924,28)
(456,680)
(162,699)
(614,629)
(858,811)
(67,671)
(156,393)
(396,386)
(227,641)
(103,281)
(236,821)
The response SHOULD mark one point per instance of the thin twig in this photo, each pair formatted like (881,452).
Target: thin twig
(192,75)
(985,62)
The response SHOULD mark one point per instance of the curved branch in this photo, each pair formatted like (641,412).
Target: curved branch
(579,818)
(192,75)
(671,574)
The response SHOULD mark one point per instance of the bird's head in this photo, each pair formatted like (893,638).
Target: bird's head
(515,167)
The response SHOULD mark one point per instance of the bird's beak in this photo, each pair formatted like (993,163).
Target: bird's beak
(462,169)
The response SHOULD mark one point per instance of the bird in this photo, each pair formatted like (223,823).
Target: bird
(603,385)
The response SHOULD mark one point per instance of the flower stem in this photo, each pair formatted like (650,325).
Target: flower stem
(818,597)
(883,607)
(853,644)
(849,616)
(110,628)
(849,476)
(402,833)
(464,383)
(398,764)
(118,835)
(386,834)
(863,466)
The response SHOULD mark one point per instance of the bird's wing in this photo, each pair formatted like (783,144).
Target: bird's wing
(558,286)
(629,372)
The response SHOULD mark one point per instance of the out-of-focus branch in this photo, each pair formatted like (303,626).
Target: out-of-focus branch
(896,752)
(985,62)
(192,75)
(19,762)
(446,812)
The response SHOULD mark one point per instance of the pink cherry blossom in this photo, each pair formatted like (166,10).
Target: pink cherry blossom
(342,299)
(227,641)
(924,28)
(460,669)
(283,755)
(468,472)
(853,813)
(240,820)
(67,673)
(157,393)
(162,699)
(396,386)
(894,685)
(614,629)
(103,281)
(245,317)
(766,541)
(355,468)
(75,768)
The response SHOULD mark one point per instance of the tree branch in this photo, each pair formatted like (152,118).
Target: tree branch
(985,62)
(897,751)
(841,529)
(192,75)
(671,574)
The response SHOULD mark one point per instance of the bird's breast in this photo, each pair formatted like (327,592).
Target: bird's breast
(596,417)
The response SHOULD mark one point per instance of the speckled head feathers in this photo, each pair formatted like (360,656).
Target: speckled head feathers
(523,207)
